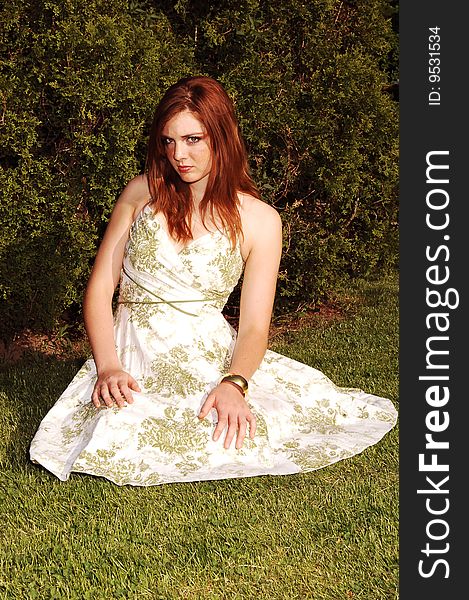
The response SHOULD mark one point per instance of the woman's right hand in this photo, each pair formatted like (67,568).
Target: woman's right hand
(113,387)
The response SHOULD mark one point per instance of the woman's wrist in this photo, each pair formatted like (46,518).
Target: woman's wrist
(236,380)
(102,367)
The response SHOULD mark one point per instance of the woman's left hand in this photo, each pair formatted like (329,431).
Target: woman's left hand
(233,412)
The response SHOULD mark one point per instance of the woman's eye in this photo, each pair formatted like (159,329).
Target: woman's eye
(193,139)
(166,141)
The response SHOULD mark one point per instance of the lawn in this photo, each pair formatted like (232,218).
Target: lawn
(330,534)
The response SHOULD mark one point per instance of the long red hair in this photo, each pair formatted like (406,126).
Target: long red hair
(207,100)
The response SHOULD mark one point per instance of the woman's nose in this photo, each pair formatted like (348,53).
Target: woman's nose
(179,151)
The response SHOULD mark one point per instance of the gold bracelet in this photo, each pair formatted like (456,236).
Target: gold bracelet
(237,380)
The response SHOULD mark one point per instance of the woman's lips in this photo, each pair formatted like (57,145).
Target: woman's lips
(184,169)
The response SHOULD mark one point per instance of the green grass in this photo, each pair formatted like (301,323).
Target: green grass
(331,534)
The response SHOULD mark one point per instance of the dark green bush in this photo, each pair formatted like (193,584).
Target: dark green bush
(80,80)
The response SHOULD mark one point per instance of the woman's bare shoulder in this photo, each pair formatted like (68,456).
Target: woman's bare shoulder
(135,194)
(262,226)
(257,211)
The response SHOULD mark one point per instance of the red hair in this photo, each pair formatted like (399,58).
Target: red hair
(207,100)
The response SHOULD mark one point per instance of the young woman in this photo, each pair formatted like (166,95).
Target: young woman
(173,393)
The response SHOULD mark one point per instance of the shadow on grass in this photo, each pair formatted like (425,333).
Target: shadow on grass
(28,389)
(375,291)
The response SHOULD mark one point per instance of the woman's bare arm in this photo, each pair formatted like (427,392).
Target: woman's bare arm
(113,383)
(263,239)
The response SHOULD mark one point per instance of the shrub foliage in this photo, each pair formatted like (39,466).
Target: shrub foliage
(80,80)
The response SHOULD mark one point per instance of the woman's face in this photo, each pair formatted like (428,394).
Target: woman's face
(188,147)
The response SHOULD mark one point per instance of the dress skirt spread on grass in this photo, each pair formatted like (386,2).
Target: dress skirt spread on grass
(172,337)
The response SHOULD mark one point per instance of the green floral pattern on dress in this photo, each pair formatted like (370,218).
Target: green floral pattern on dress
(171,336)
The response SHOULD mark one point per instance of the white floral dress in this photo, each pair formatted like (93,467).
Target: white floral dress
(172,337)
